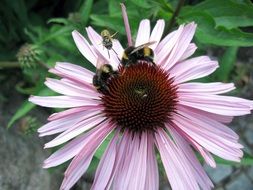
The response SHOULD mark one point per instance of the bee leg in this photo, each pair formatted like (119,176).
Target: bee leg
(114,51)
(113,34)
(108,53)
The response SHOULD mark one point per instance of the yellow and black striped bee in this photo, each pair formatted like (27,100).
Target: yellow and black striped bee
(103,73)
(133,55)
(107,39)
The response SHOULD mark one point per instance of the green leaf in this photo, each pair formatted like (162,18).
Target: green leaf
(114,8)
(142,3)
(27,106)
(20,10)
(227,63)
(209,34)
(58,21)
(227,13)
(115,23)
(85,11)
(165,6)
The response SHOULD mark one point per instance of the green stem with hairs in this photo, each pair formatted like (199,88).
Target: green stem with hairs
(174,16)
(9,64)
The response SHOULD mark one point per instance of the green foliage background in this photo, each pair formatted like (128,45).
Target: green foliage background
(34,34)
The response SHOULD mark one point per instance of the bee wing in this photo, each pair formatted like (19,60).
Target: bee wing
(142,46)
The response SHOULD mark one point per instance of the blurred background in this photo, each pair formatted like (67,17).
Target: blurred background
(34,34)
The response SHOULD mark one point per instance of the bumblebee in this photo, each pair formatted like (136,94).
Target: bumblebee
(103,74)
(132,55)
(107,40)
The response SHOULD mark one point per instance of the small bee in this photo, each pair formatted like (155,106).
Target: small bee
(107,40)
(103,73)
(141,53)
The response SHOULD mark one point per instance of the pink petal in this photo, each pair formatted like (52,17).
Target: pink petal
(157,33)
(208,88)
(62,101)
(89,121)
(72,111)
(215,143)
(118,176)
(181,46)
(68,151)
(75,71)
(131,161)
(143,33)
(165,47)
(152,176)
(62,124)
(70,90)
(223,105)
(208,124)
(193,68)
(188,52)
(118,48)
(213,116)
(82,160)
(178,169)
(139,161)
(84,47)
(78,84)
(106,165)
(197,170)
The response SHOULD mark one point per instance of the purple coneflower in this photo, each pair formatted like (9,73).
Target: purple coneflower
(146,109)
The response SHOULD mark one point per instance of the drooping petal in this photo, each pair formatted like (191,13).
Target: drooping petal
(197,170)
(70,90)
(152,176)
(223,105)
(193,68)
(106,165)
(157,33)
(177,168)
(75,71)
(139,164)
(89,121)
(63,124)
(219,145)
(220,118)
(68,151)
(132,163)
(208,123)
(62,101)
(72,111)
(117,176)
(82,160)
(143,33)
(208,88)
(84,47)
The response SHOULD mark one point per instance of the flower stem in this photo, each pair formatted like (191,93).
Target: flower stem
(9,64)
(175,14)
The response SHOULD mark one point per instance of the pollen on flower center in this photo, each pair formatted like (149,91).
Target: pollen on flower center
(142,97)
